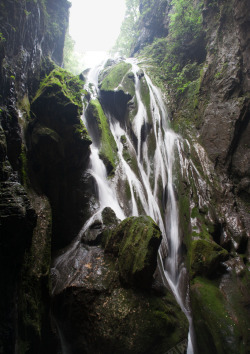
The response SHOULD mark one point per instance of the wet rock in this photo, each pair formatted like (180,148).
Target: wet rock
(117,89)
(209,308)
(102,136)
(109,218)
(206,257)
(93,309)
(93,234)
(135,242)
(58,149)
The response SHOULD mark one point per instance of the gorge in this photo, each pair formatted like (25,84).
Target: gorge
(124,210)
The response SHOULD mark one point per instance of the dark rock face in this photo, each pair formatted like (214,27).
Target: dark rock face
(96,313)
(58,152)
(28,38)
(153,24)
(17,221)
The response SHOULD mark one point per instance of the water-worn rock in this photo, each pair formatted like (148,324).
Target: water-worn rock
(135,242)
(96,313)
(99,129)
(117,89)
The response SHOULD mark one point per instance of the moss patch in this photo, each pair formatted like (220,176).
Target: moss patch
(215,329)
(135,241)
(119,77)
(108,145)
(60,82)
(206,257)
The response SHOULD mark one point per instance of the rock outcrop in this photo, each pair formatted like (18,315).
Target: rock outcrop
(31,42)
(107,301)
(207,79)
(58,146)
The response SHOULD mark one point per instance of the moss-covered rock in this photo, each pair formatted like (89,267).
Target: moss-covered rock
(135,241)
(216,328)
(117,88)
(58,151)
(98,314)
(119,78)
(62,87)
(206,257)
(99,129)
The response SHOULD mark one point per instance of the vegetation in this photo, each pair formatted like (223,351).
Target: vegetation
(60,80)
(211,315)
(128,32)
(135,241)
(172,55)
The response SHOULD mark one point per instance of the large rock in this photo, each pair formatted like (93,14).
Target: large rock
(95,313)
(59,152)
(135,242)
(206,257)
(117,89)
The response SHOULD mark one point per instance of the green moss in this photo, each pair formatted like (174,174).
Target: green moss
(215,329)
(81,132)
(61,81)
(119,77)
(205,257)
(108,150)
(135,241)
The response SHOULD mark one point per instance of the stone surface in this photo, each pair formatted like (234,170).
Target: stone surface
(96,313)
(135,242)
(59,150)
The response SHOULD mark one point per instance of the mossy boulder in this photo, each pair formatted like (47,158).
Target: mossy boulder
(117,88)
(102,136)
(119,78)
(64,88)
(206,257)
(135,242)
(99,313)
(216,327)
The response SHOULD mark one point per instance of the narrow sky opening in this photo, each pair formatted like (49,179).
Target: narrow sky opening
(94,25)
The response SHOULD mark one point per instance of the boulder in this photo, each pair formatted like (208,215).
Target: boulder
(135,242)
(99,307)
(206,257)
(117,89)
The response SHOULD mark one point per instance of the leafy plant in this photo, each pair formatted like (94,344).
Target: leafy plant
(170,55)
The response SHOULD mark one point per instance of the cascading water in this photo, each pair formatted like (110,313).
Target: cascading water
(154,177)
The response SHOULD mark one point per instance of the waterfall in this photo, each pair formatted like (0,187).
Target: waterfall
(153,179)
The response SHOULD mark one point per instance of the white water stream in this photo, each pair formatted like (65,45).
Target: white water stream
(155,177)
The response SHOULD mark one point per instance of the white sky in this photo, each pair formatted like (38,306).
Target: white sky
(95,24)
